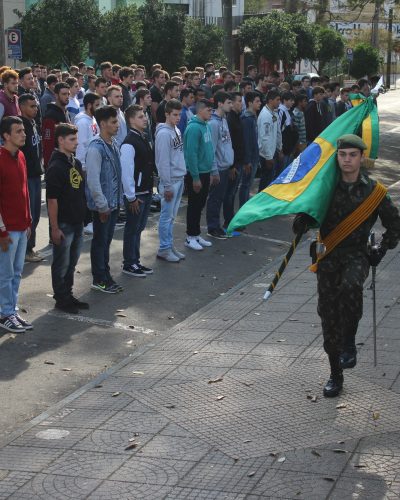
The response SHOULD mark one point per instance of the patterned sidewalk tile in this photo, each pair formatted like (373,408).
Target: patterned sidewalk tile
(106,441)
(117,490)
(26,458)
(11,481)
(50,437)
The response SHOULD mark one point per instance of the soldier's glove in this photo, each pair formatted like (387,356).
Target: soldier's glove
(302,223)
(376,255)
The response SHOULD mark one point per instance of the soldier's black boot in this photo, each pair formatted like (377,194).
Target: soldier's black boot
(348,358)
(335,383)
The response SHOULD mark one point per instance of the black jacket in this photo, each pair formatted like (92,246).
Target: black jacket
(65,183)
(32,148)
(39,116)
(127,99)
(144,160)
(235,125)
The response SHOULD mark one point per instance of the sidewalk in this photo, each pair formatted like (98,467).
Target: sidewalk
(228,405)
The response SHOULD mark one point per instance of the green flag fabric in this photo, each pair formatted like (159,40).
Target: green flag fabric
(307,184)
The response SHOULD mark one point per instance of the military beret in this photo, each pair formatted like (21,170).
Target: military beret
(349,141)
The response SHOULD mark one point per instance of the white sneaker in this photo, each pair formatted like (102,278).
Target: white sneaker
(191,242)
(88,229)
(179,254)
(203,242)
(167,255)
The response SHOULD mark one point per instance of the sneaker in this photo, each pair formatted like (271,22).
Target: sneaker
(146,270)
(78,303)
(193,243)
(134,270)
(23,322)
(88,229)
(203,242)
(115,285)
(11,324)
(180,255)
(168,255)
(67,306)
(219,234)
(232,234)
(103,287)
(33,257)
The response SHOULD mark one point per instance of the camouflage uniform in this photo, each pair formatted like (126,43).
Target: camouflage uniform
(342,273)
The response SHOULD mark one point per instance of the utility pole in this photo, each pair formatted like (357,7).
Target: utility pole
(2,36)
(389,50)
(228,28)
(375,25)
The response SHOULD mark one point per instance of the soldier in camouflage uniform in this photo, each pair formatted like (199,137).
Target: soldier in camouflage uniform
(341,274)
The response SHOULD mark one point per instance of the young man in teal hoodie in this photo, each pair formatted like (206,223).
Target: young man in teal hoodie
(199,157)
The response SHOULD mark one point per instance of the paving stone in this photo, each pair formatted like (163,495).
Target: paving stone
(259,325)
(71,417)
(387,444)
(363,486)
(86,464)
(277,350)
(145,374)
(137,406)
(136,422)
(384,467)
(226,347)
(152,471)
(11,481)
(106,441)
(117,490)
(164,357)
(24,458)
(99,400)
(187,373)
(50,437)
(179,493)
(175,430)
(48,486)
(244,335)
(176,447)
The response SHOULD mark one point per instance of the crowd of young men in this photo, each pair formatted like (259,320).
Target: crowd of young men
(101,142)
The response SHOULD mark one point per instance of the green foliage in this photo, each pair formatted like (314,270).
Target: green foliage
(330,45)
(58,31)
(204,42)
(365,61)
(270,36)
(306,37)
(163,34)
(254,6)
(120,36)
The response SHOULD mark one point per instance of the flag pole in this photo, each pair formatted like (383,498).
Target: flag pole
(283,266)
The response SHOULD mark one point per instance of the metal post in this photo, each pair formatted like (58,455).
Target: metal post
(389,50)
(228,27)
(375,25)
(373,288)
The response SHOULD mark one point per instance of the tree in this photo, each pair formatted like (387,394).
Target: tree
(330,45)
(306,37)
(270,36)
(56,31)
(203,42)
(365,61)
(163,34)
(124,47)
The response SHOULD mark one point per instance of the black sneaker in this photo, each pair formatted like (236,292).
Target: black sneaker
(146,270)
(67,306)
(11,324)
(219,234)
(23,322)
(103,287)
(134,270)
(116,286)
(78,303)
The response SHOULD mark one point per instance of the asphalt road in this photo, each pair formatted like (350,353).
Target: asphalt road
(64,351)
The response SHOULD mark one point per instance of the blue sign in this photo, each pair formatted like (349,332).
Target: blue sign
(349,54)
(14,43)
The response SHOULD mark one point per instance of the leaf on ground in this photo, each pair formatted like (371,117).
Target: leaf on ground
(359,466)
(120,310)
(130,342)
(121,315)
(49,295)
(171,317)
(23,310)
(66,369)
(341,406)
(281,460)
(170,406)
(131,446)
(49,362)
(132,326)
(315,452)
(131,440)
(257,314)
(251,474)
(281,340)
(115,394)
(215,380)
(293,319)
(339,450)
(247,384)
(272,454)
(195,352)
(151,295)
(330,479)
(98,386)
(220,398)
(137,373)
(312,398)
(376,415)
(247,441)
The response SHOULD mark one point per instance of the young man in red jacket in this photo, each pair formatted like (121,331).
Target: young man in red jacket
(15,222)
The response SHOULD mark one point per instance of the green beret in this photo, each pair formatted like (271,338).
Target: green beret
(350,141)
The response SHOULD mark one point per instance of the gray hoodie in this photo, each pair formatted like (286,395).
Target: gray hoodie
(221,139)
(170,160)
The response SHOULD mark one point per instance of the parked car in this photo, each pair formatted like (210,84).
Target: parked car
(301,75)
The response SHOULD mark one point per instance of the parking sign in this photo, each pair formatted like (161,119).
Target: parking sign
(14,43)
(349,54)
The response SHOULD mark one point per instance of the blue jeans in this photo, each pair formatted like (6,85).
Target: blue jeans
(246,183)
(65,258)
(169,211)
(230,195)
(103,233)
(134,225)
(11,266)
(215,200)
(35,201)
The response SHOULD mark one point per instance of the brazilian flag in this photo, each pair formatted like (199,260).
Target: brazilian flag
(308,183)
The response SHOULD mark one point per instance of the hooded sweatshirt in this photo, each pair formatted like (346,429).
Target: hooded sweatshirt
(221,139)
(250,137)
(170,160)
(32,148)
(53,116)
(87,129)
(198,148)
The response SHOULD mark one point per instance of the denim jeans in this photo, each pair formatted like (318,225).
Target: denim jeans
(103,233)
(246,183)
(35,201)
(11,266)
(65,258)
(230,195)
(134,225)
(169,211)
(215,200)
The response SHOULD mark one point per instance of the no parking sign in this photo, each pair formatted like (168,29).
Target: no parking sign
(14,43)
